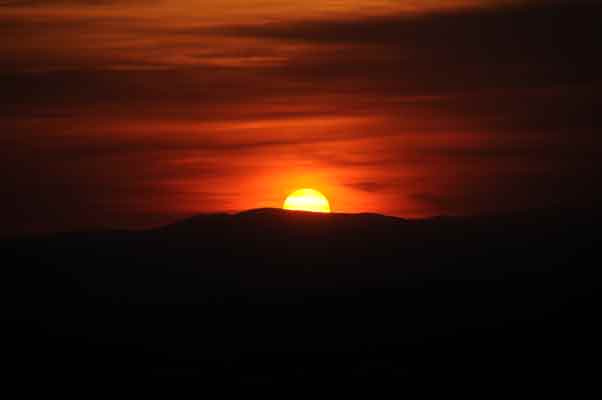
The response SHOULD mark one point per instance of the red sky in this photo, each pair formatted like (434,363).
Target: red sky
(136,113)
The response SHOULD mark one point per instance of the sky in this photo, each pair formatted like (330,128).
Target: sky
(135,113)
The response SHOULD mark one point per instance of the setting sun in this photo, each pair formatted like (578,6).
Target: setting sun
(307,200)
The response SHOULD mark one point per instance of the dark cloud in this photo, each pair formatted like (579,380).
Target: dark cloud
(465,27)
(373,186)
(506,47)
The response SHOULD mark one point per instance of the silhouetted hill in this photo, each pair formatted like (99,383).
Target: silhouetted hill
(279,219)
(273,295)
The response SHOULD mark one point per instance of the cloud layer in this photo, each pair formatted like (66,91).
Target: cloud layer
(134,118)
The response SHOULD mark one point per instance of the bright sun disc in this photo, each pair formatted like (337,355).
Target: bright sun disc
(307,200)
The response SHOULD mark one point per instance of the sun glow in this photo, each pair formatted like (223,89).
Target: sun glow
(307,200)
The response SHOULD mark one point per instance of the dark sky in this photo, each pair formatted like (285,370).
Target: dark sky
(136,113)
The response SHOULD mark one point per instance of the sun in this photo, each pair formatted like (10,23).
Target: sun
(307,200)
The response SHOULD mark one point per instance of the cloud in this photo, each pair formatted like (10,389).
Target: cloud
(373,187)
(55,3)
(451,51)
(446,112)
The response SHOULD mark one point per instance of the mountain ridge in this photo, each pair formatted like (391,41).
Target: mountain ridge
(273,292)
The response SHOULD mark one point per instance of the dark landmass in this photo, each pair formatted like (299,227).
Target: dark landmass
(274,296)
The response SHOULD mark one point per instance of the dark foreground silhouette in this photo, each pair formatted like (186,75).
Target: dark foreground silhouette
(275,296)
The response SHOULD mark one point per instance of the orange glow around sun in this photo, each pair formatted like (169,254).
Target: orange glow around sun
(307,200)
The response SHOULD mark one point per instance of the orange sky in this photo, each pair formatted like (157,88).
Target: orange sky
(128,114)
